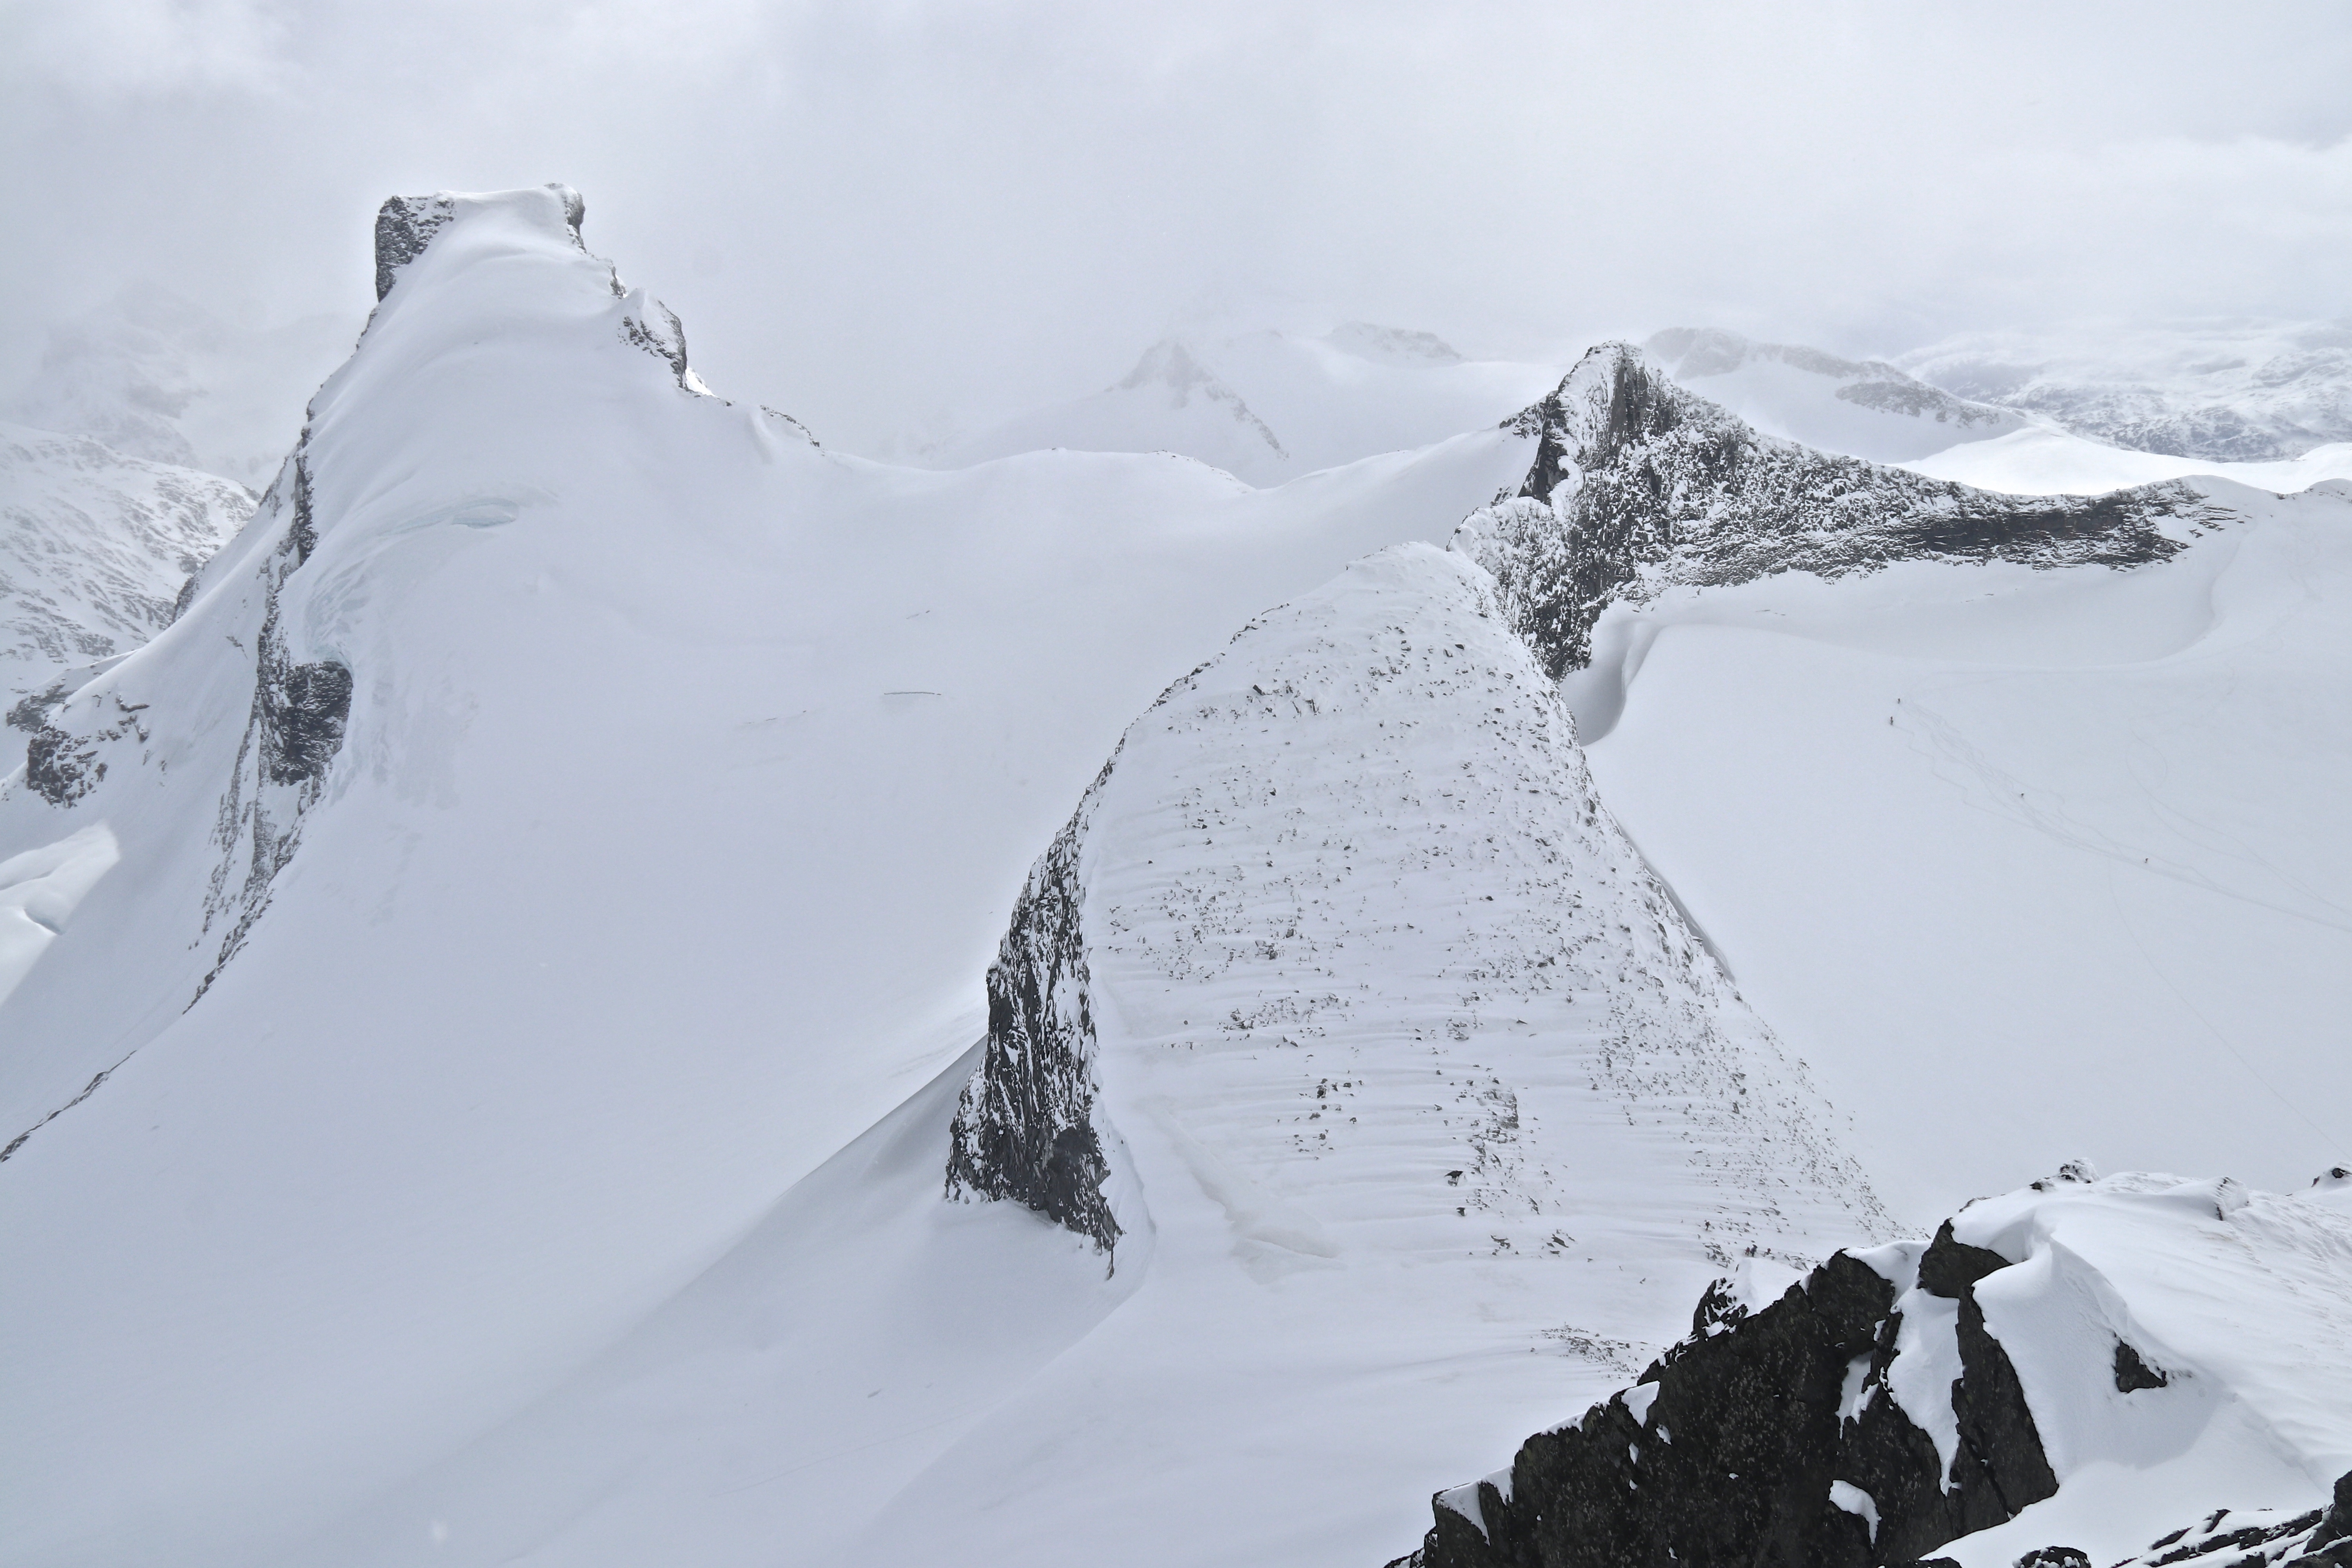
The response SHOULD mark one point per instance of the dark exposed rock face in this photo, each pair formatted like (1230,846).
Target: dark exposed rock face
(1024,1125)
(1638,484)
(2055,1557)
(660,334)
(295,728)
(405,225)
(1948,1267)
(2132,1371)
(1749,1442)
(65,764)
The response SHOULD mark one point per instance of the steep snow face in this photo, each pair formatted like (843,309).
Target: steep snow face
(2079,1364)
(1268,406)
(2226,392)
(1638,486)
(95,549)
(1863,408)
(572,809)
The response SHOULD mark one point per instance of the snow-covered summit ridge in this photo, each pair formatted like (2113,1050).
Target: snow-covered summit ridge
(1639,485)
(405,225)
(246,700)
(2077,1365)
(1344,907)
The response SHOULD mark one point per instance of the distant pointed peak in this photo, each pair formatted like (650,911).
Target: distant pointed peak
(1168,364)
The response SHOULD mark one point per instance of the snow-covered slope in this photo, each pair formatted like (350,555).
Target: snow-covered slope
(1862,408)
(2073,829)
(2047,462)
(94,550)
(1385,1096)
(617,796)
(2225,391)
(1268,406)
(2068,1370)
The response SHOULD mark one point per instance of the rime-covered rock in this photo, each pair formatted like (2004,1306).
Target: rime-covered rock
(1639,485)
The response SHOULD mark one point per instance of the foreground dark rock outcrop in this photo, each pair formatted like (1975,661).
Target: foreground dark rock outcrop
(1770,1436)
(1895,1400)
(1639,485)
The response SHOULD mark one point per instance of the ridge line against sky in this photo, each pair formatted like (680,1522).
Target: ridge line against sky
(909,218)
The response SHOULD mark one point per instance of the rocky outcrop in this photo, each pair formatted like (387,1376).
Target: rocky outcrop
(1638,484)
(405,225)
(2229,1538)
(1024,1127)
(1773,1437)
(292,732)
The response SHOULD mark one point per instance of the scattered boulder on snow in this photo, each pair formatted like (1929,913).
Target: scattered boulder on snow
(1639,485)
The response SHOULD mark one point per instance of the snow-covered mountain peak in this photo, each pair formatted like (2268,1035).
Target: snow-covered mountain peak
(438,850)
(1167,367)
(1343,922)
(405,226)
(1267,406)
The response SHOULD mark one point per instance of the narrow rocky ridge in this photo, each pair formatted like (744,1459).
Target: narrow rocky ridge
(1639,485)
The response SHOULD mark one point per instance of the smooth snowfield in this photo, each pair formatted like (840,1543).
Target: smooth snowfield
(2043,461)
(1430,1123)
(2034,863)
(689,773)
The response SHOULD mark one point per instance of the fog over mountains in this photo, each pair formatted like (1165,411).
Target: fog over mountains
(594,978)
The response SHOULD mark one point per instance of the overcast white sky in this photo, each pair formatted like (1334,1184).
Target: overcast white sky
(878,215)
